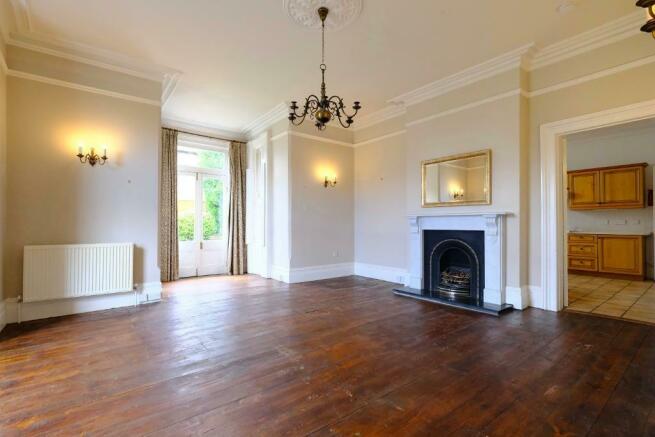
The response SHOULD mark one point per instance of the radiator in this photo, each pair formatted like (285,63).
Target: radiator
(76,270)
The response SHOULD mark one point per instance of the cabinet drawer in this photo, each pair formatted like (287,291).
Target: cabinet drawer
(585,250)
(582,238)
(588,264)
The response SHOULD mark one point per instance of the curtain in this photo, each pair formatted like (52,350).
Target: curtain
(168,245)
(236,245)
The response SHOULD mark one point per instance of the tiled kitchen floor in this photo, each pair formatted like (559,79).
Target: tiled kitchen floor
(634,300)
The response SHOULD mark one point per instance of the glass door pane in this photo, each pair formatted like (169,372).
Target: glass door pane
(186,224)
(213,226)
(186,206)
(213,252)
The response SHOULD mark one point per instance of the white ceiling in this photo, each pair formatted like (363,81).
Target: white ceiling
(240,58)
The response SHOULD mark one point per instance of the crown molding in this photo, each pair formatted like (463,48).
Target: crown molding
(77,86)
(264,121)
(93,56)
(600,36)
(376,117)
(203,129)
(490,68)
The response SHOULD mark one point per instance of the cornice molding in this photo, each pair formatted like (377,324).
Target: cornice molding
(264,121)
(600,36)
(291,133)
(500,64)
(93,56)
(79,87)
(528,57)
(203,129)
(376,117)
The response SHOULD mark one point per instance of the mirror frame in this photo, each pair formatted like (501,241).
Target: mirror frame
(487,201)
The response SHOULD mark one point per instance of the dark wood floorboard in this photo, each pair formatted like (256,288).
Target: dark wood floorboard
(248,356)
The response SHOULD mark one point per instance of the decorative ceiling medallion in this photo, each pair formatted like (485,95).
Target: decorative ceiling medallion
(342,12)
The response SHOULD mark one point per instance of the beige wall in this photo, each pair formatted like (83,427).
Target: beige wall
(380,211)
(494,126)
(620,89)
(53,199)
(321,218)
(3,171)
(510,127)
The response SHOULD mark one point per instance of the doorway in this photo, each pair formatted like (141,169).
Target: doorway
(553,198)
(202,196)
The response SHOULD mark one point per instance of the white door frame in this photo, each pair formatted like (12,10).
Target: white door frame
(553,202)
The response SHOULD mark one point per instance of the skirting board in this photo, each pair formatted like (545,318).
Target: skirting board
(22,312)
(316,273)
(382,273)
(519,297)
(537,298)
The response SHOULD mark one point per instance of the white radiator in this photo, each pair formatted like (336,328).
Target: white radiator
(76,270)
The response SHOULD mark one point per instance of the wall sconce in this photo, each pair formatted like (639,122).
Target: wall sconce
(330,182)
(92,157)
(457,194)
(649,27)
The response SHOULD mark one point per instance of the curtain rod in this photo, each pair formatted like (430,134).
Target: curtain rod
(204,136)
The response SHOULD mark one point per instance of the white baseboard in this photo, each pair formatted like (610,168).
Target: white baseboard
(3,315)
(519,297)
(280,273)
(316,273)
(536,297)
(22,312)
(382,273)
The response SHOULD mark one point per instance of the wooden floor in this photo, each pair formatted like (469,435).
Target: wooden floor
(246,356)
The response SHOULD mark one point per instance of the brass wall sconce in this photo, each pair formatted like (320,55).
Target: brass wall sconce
(649,27)
(457,194)
(92,157)
(331,183)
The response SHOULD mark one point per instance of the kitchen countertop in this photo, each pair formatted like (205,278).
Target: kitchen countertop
(643,234)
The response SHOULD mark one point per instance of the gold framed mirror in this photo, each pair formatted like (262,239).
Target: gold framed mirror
(457,180)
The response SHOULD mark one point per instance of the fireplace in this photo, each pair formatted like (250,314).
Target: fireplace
(454,265)
(458,260)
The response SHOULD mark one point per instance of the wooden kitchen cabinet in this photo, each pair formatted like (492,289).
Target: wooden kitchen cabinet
(609,255)
(614,187)
(584,189)
(621,254)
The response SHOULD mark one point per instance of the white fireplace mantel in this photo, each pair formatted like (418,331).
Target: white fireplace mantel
(493,225)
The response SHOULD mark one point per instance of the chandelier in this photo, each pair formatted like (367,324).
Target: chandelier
(649,27)
(322,109)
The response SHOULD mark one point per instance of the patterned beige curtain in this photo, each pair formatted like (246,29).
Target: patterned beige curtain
(236,245)
(168,246)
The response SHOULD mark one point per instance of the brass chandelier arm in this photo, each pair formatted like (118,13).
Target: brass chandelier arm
(323,109)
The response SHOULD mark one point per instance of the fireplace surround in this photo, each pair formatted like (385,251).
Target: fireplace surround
(459,245)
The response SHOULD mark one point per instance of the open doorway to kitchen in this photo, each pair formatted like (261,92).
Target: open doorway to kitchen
(608,221)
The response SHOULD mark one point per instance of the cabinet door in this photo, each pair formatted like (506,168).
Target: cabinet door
(622,187)
(583,190)
(621,254)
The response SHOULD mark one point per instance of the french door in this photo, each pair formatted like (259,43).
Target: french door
(202,221)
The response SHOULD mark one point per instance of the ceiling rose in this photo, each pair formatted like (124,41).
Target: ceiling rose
(342,12)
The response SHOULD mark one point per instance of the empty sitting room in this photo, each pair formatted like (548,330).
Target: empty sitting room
(327,217)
